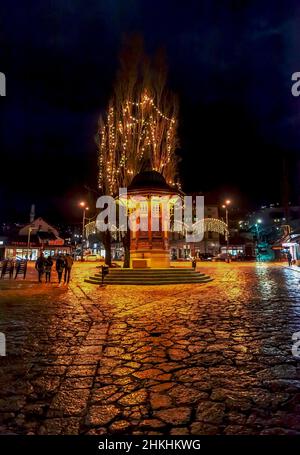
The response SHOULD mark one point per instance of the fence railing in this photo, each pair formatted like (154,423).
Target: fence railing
(11,269)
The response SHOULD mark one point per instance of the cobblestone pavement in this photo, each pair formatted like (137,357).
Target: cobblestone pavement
(186,359)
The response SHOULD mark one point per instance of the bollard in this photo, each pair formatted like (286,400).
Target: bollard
(105,271)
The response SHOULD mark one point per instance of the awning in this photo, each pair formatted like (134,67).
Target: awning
(278,245)
(286,241)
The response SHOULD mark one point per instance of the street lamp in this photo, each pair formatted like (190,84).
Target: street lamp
(258,222)
(225,206)
(30,229)
(84,209)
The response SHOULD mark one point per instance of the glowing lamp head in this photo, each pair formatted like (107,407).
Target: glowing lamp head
(228,201)
(259,221)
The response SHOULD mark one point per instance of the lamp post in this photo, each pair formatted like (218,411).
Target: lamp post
(28,241)
(84,208)
(31,228)
(225,206)
(257,224)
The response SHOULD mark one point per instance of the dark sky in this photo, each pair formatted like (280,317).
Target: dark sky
(229,61)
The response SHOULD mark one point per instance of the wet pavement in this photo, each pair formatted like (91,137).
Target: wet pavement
(186,359)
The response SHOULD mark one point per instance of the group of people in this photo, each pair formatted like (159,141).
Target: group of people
(63,266)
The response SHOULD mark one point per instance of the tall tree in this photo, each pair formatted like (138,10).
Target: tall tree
(140,126)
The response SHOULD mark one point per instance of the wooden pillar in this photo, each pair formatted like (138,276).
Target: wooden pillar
(149,202)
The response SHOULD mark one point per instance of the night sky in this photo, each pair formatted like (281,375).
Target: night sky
(229,61)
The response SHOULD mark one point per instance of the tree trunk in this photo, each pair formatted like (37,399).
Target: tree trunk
(126,245)
(107,246)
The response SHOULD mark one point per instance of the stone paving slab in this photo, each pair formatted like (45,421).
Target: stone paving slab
(185,359)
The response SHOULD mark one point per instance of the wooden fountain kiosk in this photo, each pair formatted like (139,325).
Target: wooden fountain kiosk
(149,248)
(145,203)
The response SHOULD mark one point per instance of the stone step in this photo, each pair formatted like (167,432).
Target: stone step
(151,275)
(150,270)
(149,281)
(146,280)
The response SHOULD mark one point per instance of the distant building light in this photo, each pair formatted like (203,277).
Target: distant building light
(1,242)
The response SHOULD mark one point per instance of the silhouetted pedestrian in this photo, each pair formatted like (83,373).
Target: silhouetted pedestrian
(60,265)
(40,266)
(48,268)
(68,267)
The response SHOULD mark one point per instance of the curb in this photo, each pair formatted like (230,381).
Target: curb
(290,268)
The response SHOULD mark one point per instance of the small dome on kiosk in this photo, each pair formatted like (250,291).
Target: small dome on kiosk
(148,180)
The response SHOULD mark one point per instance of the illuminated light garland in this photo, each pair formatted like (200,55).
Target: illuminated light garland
(90,228)
(207,225)
(127,138)
(149,100)
(211,225)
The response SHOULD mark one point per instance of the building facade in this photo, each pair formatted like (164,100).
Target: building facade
(33,239)
(210,245)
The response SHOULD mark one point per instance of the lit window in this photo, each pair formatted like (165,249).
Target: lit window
(155,208)
(144,208)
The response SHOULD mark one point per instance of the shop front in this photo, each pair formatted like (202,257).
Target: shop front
(293,249)
(12,252)
(288,244)
(33,252)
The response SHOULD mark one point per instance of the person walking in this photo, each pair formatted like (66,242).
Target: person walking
(40,266)
(68,267)
(60,265)
(289,258)
(48,268)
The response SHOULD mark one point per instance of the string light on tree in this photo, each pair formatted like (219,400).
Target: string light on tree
(137,132)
